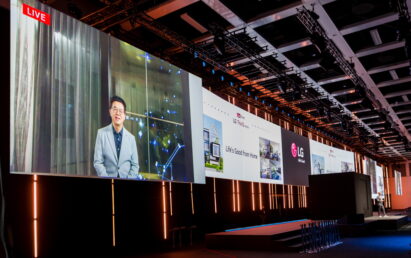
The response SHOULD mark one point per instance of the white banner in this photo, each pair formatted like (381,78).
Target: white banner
(380,181)
(326,159)
(239,145)
(398,183)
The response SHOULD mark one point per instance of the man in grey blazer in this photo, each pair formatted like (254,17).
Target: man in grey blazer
(115,153)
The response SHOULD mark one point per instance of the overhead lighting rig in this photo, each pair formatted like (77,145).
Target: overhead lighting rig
(309,20)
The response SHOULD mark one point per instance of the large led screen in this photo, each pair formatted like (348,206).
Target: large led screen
(64,120)
(380,181)
(398,182)
(370,168)
(239,145)
(326,159)
(296,152)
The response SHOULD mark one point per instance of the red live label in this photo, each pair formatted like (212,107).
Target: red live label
(36,14)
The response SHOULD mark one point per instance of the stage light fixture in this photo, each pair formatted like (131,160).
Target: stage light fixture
(321,111)
(280,87)
(329,115)
(219,43)
(296,94)
(314,15)
(327,61)
(318,42)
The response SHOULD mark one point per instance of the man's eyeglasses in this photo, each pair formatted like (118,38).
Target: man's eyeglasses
(119,111)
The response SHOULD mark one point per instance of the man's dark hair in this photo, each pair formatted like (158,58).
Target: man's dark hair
(118,99)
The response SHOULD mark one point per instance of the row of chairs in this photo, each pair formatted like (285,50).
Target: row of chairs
(182,234)
(319,235)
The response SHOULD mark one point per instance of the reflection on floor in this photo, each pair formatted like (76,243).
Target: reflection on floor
(382,244)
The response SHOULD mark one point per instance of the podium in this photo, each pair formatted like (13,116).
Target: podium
(334,196)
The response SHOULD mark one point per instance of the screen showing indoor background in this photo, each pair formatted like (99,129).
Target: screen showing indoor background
(63,76)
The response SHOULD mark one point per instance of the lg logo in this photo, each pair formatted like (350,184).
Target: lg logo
(297,151)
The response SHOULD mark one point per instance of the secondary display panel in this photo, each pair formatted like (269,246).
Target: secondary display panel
(239,145)
(326,159)
(63,74)
(370,168)
(398,182)
(296,151)
(380,181)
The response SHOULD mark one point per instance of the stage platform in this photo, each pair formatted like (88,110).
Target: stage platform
(373,224)
(284,236)
(392,222)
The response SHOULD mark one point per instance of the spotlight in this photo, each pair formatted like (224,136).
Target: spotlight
(219,43)
(329,115)
(321,111)
(344,125)
(405,140)
(350,130)
(296,94)
(326,61)
(318,42)
(314,15)
(280,88)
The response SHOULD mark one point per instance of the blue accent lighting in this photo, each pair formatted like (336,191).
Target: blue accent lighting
(264,225)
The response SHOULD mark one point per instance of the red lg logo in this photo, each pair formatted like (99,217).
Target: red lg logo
(36,14)
(297,151)
(294,150)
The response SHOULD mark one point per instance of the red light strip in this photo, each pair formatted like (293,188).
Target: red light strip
(260,197)
(192,198)
(170,191)
(252,196)
(113,214)
(270,196)
(164,210)
(215,197)
(35,232)
(238,196)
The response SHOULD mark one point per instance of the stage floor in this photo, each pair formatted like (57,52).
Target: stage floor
(276,236)
(386,218)
(266,229)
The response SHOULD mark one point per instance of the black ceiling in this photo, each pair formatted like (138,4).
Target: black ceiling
(274,53)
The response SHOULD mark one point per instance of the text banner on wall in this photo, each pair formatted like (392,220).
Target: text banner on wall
(370,168)
(239,145)
(326,159)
